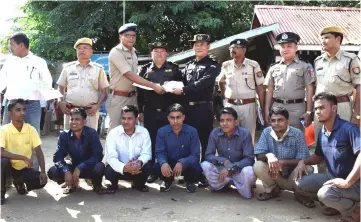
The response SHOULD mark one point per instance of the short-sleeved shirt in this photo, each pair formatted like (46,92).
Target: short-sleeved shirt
(340,148)
(121,61)
(83,83)
(293,146)
(289,81)
(338,74)
(20,143)
(241,81)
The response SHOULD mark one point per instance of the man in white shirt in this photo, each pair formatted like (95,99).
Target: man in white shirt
(128,150)
(22,75)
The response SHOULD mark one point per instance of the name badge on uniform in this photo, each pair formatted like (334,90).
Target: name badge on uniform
(168,70)
(129,57)
(320,68)
(73,74)
(277,68)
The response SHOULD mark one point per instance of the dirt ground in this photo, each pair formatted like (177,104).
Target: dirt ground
(49,204)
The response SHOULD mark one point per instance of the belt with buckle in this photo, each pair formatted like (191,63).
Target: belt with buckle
(122,93)
(240,101)
(71,106)
(343,99)
(199,103)
(288,101)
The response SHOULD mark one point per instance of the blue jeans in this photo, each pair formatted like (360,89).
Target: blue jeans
(33,116)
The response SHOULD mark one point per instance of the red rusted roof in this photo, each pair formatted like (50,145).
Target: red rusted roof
(308,21)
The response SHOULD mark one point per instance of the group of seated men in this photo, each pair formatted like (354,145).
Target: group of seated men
(280,159)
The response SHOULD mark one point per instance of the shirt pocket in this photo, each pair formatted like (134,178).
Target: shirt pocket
(339,149)
(278,79)
(249,79)
(93,82)
(341,76)
(230,79)
(299,81)
(73,80)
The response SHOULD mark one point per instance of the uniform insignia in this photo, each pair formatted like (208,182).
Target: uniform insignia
(310,70)
(259,74)
(356,70)
(168,70)
(158,44)
(277,68)
(129,57)
(213,66)
(238,42)
(320,68)
(199,37)
(202,67)
(284,36)
(73,74)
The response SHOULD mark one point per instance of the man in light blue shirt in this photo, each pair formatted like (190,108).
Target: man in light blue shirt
(278,152)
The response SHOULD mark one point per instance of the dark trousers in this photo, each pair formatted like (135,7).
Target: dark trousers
(153,120)
(96,174)
(201,117)
(192,173)
(42,118)
(138,180)
(29,176)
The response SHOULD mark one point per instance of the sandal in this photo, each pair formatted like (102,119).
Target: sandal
(328,211)
(68,190)
(266,196)
(20,188)
(99,190)
(111,190)
(305,201)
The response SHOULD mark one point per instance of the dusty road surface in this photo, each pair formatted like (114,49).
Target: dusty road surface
(49,204)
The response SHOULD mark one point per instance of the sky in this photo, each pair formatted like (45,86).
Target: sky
(8,10)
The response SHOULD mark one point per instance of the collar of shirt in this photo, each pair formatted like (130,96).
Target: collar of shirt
(337,55)
(121,131)
(77,63)
(274,135)
(335,126)
(122,47)
(169,129)
(204,59)
(295,59)
(235,133)
(153,66)
(235,64)
(15,131)
(83,132)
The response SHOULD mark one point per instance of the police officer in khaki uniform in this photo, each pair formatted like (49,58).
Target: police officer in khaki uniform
(123,67)
(287,80)
(81,82)
(239,81)
(338,72)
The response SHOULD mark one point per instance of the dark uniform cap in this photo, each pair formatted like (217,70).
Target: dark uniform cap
(288,37)
(241,42)
(155,45)
(201,38)
(127,27)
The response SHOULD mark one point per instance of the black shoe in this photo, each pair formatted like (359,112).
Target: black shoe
(181,181)
(152,178)
(20,187)
(203,183)
(191,187)
(166,185)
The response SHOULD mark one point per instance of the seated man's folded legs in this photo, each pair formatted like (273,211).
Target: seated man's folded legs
(31,177)
(309,185)
(244,181)
(96,174)
(211,172)
(5,173)
(192,173)
(262,172)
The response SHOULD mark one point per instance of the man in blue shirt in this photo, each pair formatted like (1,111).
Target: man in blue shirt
(278,152)
(177,151)
(82,144)
(235,155)
(339,145)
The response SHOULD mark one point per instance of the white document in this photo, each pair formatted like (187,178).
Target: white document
(142,87)
(171,85)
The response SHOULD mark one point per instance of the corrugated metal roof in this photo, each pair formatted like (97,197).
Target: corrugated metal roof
(308,21)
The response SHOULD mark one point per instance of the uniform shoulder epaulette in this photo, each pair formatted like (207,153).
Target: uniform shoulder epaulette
(69,64)
(226,63)
(350,55)
(98,65)
(319,57)
(172,64)
(252,62)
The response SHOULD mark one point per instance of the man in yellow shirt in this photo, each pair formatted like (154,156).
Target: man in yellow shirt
(17,139)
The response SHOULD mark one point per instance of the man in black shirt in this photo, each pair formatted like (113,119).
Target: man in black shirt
(199,77)
(153,106)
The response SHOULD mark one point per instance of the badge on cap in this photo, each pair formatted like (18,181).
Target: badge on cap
(238,42)
(199,37)
(284,36)
(158,44)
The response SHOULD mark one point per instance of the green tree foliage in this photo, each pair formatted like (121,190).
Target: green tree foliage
(54,26)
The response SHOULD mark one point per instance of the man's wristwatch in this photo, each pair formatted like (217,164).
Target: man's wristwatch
(309,112)
(357,117)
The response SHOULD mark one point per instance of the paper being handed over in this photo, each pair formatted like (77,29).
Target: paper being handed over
(168,86)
